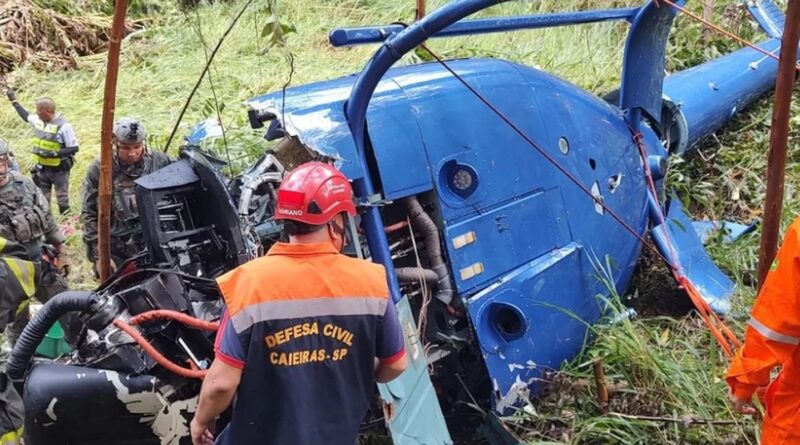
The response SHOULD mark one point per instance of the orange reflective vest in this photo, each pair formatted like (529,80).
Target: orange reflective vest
(306,324)
(773,339)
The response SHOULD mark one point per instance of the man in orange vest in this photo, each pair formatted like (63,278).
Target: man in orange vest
(773,339)
(306,331)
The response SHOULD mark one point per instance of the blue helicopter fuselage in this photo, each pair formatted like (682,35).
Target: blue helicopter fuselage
(528,274)
(523,189)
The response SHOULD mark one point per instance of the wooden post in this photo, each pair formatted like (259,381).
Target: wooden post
(708,13)
(778,140)
(600,383)
(109,101)
(420,10)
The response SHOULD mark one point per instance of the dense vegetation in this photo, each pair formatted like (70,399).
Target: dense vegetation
(663,364)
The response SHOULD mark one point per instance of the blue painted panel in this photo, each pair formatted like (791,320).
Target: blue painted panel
(708,95)
(769,16)
(508,236)
(458,128)
(730,231)
(456,125)
(530,322)
(397,143)
(209,128)
(618,174)
(315,113)
(714,286)
(643,66)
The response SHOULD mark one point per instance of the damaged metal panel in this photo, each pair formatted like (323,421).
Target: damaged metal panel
(532,321)
(692,259)
(315,114)
(729,230)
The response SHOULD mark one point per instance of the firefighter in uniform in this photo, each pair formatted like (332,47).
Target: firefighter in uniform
(54,147)
(306,332)
(773,339)
(19,279)
(26,221)
(132,160)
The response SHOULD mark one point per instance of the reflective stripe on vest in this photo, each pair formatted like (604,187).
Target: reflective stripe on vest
(24,272)
(12,437)
(773,335)
(45,138)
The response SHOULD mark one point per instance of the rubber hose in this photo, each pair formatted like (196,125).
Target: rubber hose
(412,274)
(168,364)
(422,222)
(177,316)
(34,332)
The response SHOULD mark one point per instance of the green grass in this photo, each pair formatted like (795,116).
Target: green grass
(658,366)
(668,367)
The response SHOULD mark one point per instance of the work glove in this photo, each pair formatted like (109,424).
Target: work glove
(11,95)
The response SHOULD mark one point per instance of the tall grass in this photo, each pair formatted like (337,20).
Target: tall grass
(659,367)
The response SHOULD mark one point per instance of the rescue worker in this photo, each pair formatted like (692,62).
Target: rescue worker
(307,330)
(54,147)
(19,279)
(132,160)
(26,221)
(773,339)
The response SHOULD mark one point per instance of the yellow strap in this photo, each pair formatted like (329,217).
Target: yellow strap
(45,144)
(24,271)
(23,306)
(11,438)
(3,243)
(50,162)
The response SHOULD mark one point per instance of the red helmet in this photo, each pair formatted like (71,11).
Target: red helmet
(314,193)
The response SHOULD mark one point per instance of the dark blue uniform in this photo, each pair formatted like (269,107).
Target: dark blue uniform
(305,323)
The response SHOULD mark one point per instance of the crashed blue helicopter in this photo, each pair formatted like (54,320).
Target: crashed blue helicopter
(489,190)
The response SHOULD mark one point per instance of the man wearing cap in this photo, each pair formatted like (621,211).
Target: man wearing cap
(132,160)
(54,147)
(307,331)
